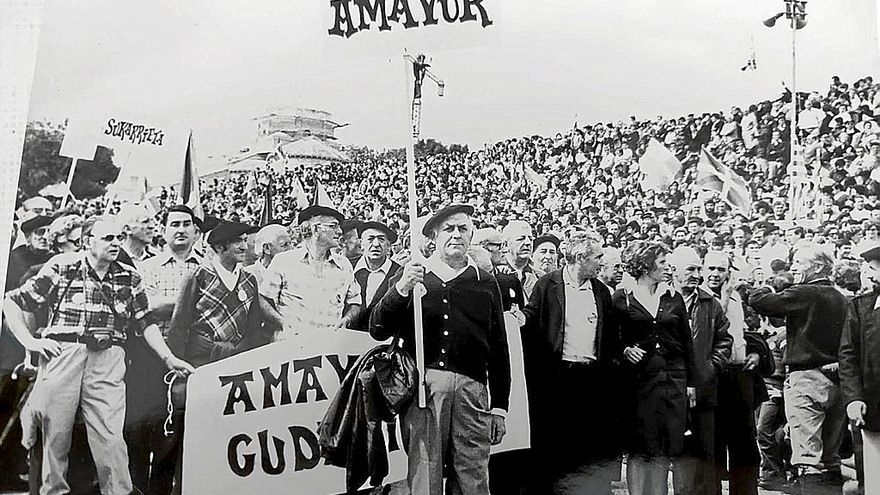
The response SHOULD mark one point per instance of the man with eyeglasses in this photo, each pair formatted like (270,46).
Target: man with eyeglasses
(311,290)
(152,455)
(94,305)
(511,288)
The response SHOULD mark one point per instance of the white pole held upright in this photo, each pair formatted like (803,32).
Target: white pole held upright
(68,193)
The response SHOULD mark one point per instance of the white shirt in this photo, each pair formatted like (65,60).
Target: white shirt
(229,279)
(375,278)
(651,302)
(581,318)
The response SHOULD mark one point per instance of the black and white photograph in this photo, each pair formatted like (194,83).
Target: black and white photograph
(440,247)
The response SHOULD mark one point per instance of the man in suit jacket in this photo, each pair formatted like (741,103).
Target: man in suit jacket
(568,341)
(374,269)
(859,359)
(510,285)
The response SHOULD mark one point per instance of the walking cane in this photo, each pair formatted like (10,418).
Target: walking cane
(20,370)
(420,70)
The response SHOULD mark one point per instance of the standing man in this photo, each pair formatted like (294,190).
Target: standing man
(351,241)
(374,270)
(569,348)
(94,304)
(311,288)
(518,237)
(814,313)
(511,288)
(30,255)
(465,348)
(612,269)
(271,240)
(694,472)
(740,386)
(140,227)
(153,456)
(546,253)
(860,372)
(217,313)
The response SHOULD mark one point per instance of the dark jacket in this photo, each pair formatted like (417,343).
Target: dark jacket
(860,357)
(712,345)
(511,290)
(362,320)
(544,331)
(814,315)
(350,435)
(463,327)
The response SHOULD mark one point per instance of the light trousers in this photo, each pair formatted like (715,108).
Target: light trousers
(92,381)
(454,427)
(871,446)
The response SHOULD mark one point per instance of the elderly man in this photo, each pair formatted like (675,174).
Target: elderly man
(465,348)
(814,313)
(140,227)
(569,347)
(612,269)
(95,303)
(311,288)
(152,455)
(351,241)
(271,240)
(518,243)
(374,270)
(26,259)
(511,288)
(546,253)
(859,357)
(694,472)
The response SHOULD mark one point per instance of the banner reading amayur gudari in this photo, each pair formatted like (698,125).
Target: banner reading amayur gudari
(252,419)
(353,16)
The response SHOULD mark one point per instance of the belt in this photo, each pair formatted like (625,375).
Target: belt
(578,365)
(77,339)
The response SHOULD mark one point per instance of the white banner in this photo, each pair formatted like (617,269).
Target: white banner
(252,419)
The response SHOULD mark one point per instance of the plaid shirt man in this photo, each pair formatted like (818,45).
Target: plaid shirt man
(83,300)
(212,321)
(163,277)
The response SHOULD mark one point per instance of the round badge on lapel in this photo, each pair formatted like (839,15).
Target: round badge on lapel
(242,295)
(78,298)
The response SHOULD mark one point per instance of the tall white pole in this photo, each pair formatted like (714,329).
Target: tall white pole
(419,291)
(794,185)
(68,193)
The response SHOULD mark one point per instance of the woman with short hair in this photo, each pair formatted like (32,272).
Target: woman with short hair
(65,234)
(657,359)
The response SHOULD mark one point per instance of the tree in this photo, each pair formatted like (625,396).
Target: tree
(41,165)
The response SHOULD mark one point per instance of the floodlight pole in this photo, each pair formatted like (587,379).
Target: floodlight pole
(420,70)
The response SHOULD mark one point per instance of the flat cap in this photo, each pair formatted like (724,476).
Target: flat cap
(443,214)
(227,231)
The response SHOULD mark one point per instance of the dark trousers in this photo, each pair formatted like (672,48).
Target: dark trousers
(775,452)
(509,472)
(736,447)
(573,432)
(152,456)
(694,472)
(13,457)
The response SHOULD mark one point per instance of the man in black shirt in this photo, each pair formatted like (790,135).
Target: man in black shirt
(465,349)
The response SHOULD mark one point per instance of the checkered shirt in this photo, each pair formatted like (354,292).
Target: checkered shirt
(305,298)
(163,277)
(83,306)
(212,309)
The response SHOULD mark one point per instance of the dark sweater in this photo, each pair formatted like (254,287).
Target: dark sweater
(814,315)
(463,327)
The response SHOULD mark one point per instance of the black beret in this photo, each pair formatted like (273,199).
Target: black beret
(350,224)
(443,214)
(319,211)
(541,239)
(227,231)
(363,226)
(34,223)
(207,224)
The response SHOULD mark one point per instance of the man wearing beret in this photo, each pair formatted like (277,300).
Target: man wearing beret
(374,270)
(465,349)
(24,261)
(546,253)
(311,288)
(217,313)
(859,357)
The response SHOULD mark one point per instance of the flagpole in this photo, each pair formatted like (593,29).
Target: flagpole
(420,70)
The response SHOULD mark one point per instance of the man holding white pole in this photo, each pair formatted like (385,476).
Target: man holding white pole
(466,359)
